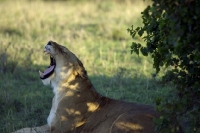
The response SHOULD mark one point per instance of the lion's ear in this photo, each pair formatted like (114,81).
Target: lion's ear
(80,70)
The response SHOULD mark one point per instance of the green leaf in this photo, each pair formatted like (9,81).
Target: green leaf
(144,51)
(135,47)
(140,32)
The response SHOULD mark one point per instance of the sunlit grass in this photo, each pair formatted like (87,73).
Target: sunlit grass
(96,31)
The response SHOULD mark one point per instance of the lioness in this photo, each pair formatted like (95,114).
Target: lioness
(78,108)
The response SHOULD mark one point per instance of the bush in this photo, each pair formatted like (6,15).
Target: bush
(171,33)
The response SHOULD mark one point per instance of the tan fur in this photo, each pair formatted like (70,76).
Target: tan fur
(78,108)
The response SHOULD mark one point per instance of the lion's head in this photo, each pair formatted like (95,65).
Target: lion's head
(63,63)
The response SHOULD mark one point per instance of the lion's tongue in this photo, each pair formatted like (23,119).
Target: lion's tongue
(49,70)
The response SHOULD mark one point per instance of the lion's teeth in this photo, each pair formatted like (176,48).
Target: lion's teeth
(41,74)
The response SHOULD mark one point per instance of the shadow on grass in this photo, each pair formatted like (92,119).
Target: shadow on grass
(131,89)
(24,101)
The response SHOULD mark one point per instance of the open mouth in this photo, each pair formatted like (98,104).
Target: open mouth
(49,70)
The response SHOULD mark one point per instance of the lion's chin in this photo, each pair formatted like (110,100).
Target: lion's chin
(49,70)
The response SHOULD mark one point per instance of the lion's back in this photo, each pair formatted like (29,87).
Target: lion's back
(120,117)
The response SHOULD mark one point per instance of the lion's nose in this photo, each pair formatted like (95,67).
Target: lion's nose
(46,51)
(45,48)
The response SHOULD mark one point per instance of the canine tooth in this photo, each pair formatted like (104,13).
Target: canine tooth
(41,74)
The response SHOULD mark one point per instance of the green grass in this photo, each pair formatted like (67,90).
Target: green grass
(95,31)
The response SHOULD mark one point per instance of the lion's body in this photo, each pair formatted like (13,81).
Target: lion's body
(78,108)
